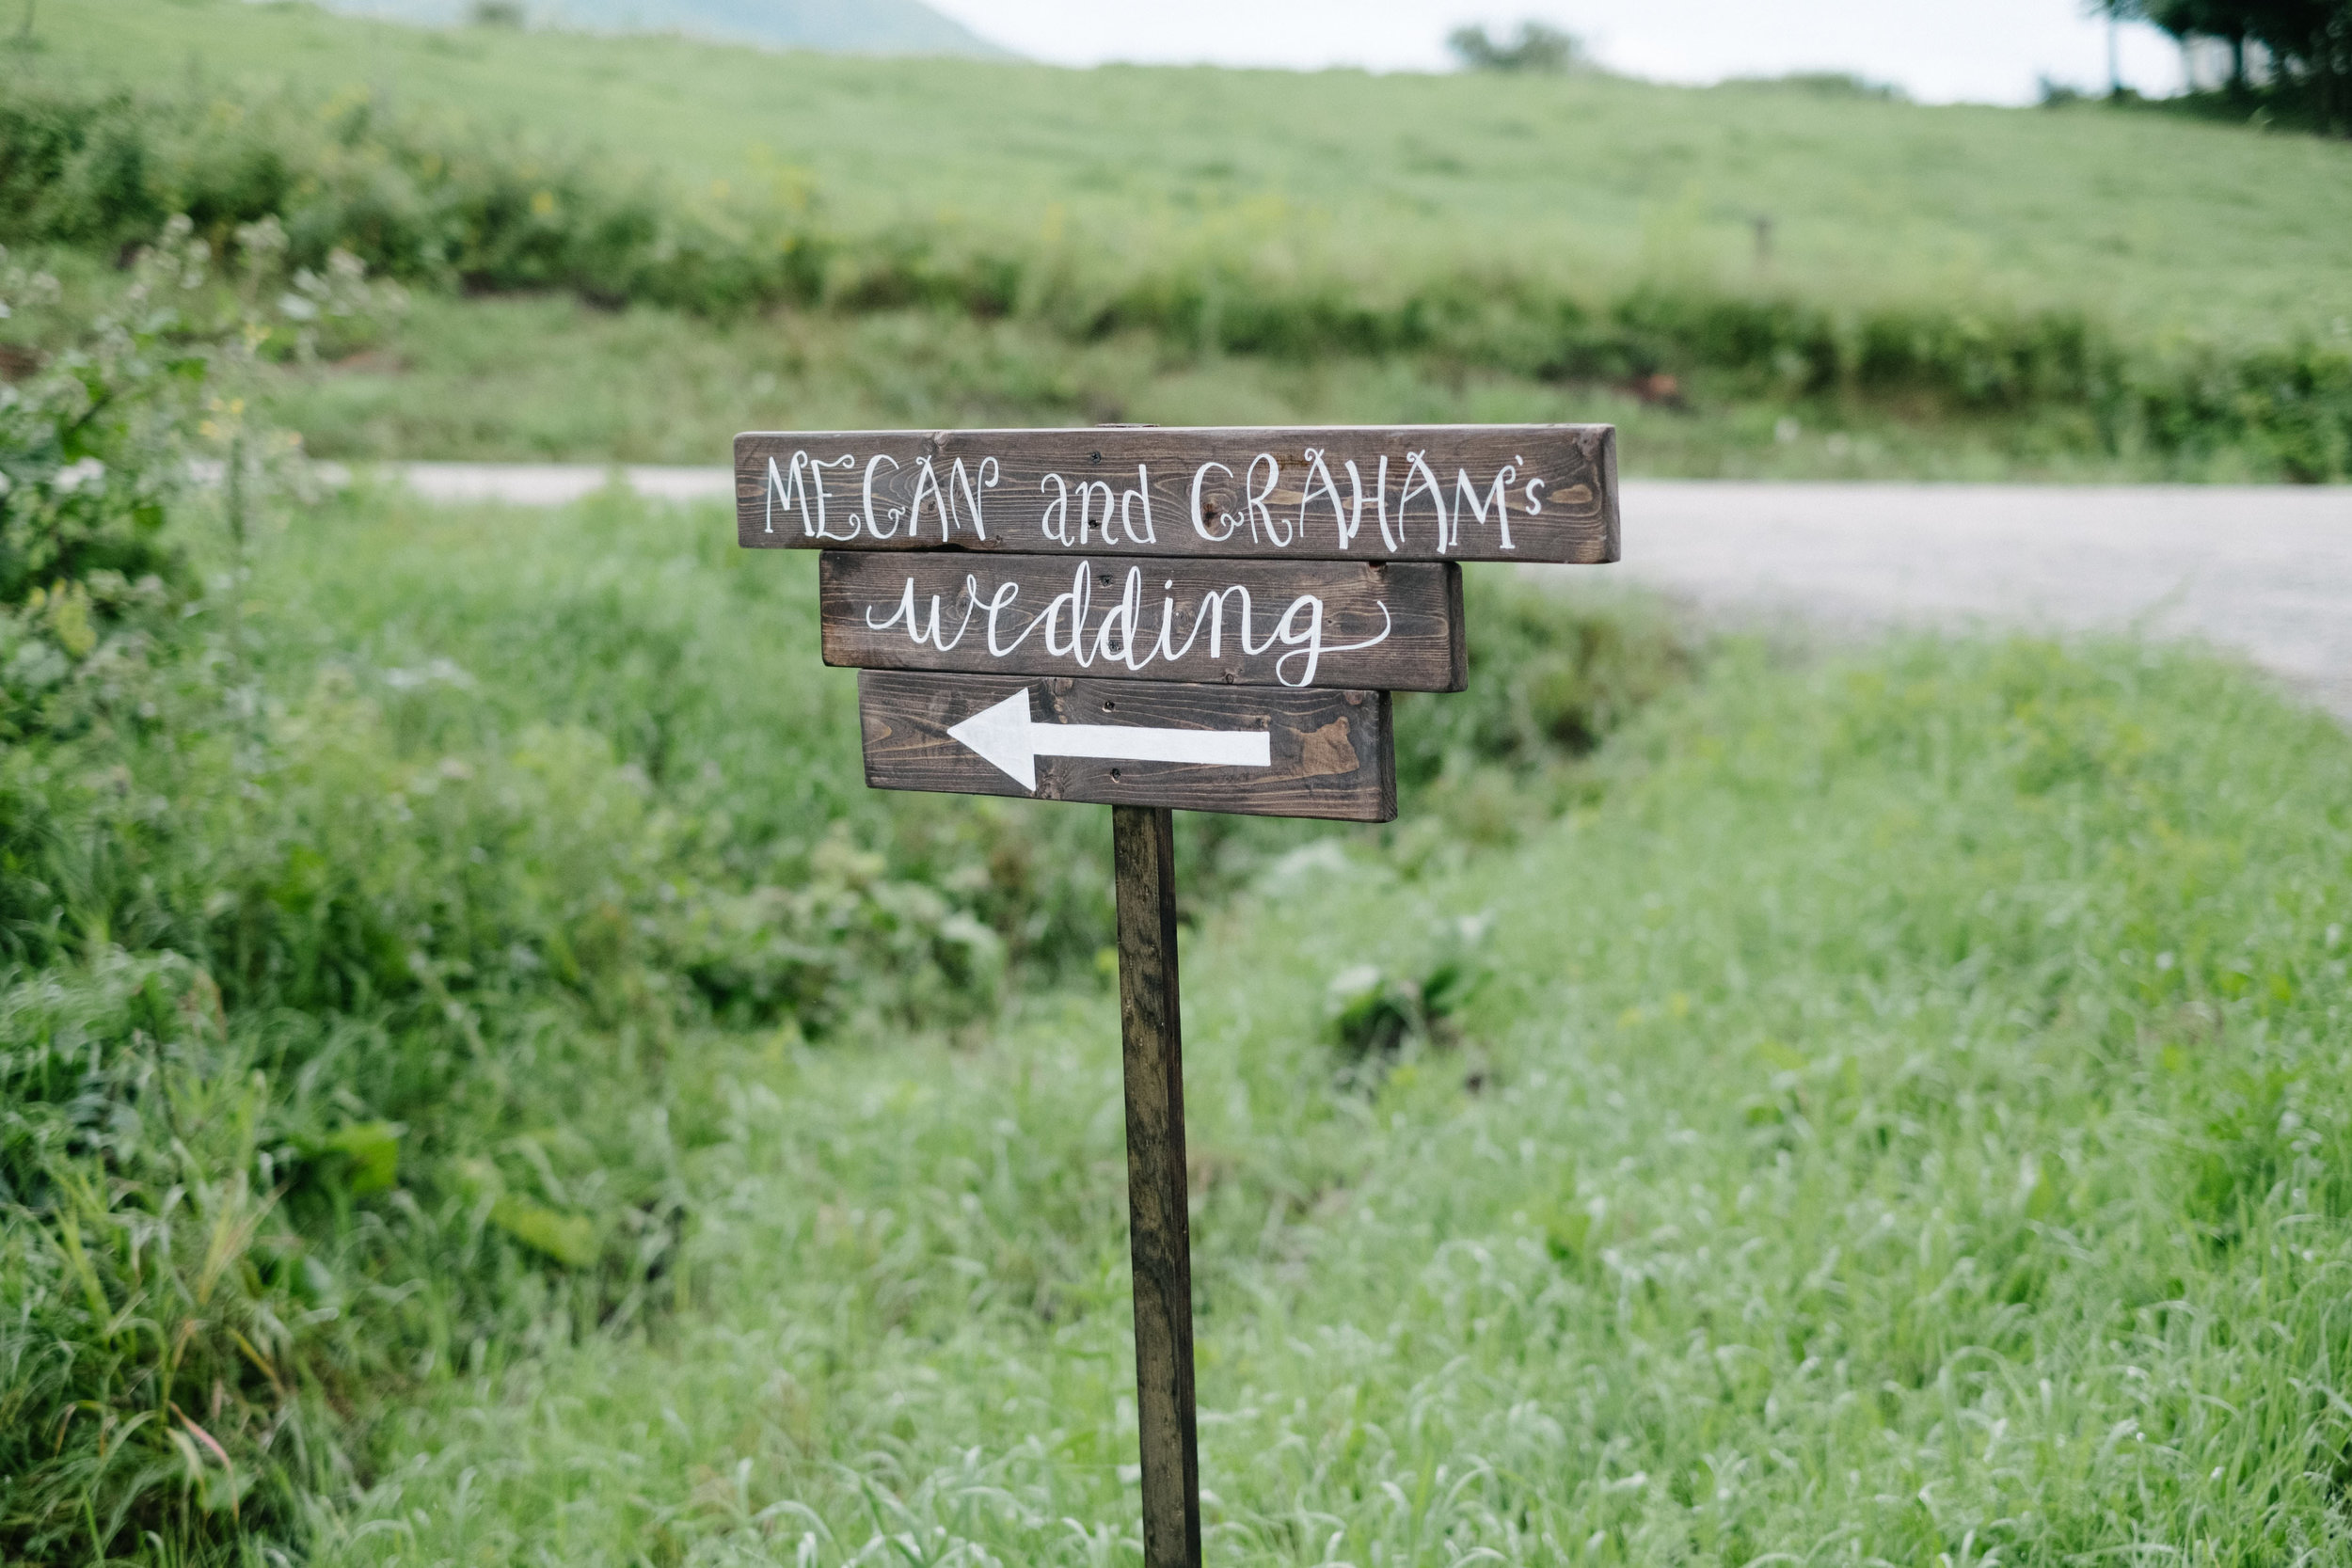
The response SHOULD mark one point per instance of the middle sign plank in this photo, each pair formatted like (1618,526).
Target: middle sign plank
(1347,623)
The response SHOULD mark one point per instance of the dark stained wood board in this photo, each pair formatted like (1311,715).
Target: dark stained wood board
(1256,622)
(1320,752)
(1143,860)
(1545,493)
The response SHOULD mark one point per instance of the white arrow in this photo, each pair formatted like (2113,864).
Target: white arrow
(1005,735)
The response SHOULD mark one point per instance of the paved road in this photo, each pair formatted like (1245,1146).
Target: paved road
(2266,571)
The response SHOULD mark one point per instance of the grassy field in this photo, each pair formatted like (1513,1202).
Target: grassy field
(1891,1108)
(2172,227)
(356,911)
(1905,1121)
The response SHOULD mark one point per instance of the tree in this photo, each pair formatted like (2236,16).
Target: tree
(2213,19)
(1539,49)
(2308,43)
(2117,12)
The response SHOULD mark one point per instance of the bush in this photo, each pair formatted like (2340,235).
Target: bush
(99,441)
(1371,1013)
(452,208)
(89,456)
(248,941)
(2290,407)
(285,1012)
(1549,678)
(1539,50)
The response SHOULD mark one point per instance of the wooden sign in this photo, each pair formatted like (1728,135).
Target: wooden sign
(1205,619)
(1370,493)
(1245,623)
(1261,750)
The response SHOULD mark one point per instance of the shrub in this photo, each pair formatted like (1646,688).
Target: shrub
(285,1010)
(453,208)
(89,456)
(1538,49)
(2291,407)
(1372,1011)
(1549,678)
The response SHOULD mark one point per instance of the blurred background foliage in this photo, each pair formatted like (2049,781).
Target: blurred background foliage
(453,210)
(2288,60)
(2083,290)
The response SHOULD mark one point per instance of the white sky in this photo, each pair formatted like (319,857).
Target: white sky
(1982,50)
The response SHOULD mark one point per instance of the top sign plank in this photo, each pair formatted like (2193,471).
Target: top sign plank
(1336,493)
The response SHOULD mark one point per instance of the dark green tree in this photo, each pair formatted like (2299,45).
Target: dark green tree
(1538,49)
(2213,19)
(2309,43)
(2117,12)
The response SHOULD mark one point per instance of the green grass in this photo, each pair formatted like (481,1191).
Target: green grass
(550,379)
(2170,226)
(480,1079)
(871,27)
(477,1053)
(357,914)
(1907,1121)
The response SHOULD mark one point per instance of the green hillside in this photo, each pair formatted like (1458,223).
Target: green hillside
(2164,226)
(632,248)
(841,26)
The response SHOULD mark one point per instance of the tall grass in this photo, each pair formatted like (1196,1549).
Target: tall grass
(356,937)
(483,1082)
(1904,1121)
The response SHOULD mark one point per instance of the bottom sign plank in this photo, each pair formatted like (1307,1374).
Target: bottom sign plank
(1259,751)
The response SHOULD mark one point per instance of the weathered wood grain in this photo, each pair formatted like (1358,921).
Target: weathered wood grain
(1143,856)
(1369,624)
(1329,753)
(1415,493)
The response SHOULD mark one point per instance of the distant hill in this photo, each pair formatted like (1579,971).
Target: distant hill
(834,26)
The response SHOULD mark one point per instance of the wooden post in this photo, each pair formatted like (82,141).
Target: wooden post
(1143,853)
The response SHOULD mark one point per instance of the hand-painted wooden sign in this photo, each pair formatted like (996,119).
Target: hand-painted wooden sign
(1373,493)
(1209,619)
(1257,592)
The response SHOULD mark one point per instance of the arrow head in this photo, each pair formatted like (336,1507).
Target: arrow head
(1001,736)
